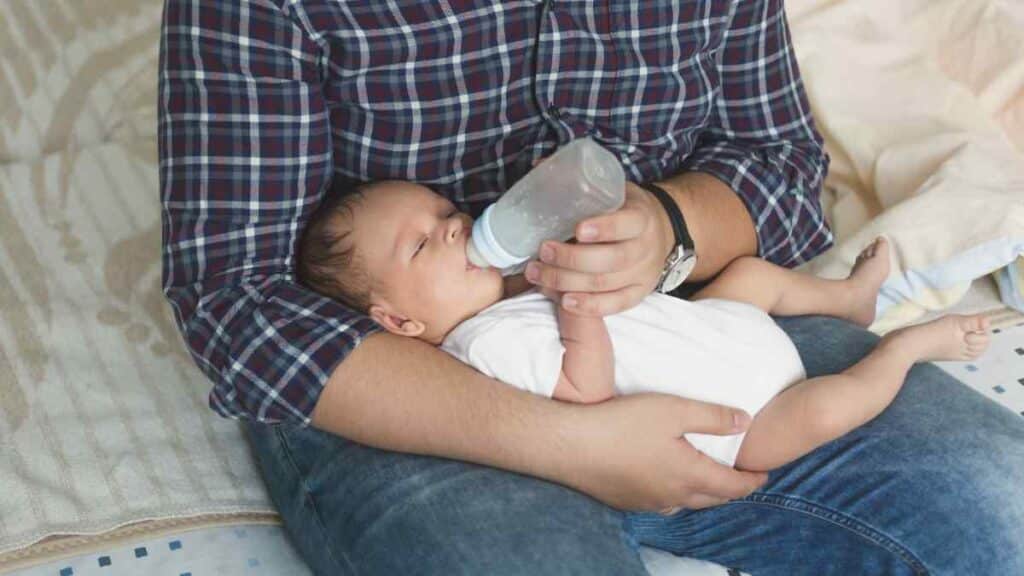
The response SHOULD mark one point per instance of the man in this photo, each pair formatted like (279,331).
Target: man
(267,105)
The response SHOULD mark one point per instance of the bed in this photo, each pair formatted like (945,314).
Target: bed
(114,462)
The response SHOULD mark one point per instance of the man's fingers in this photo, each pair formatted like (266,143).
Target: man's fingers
(693,501)
(591,257)
(603,303)
(720,481)
(564,280)
(553,295)
(709,418)
(623,224)
(696,501)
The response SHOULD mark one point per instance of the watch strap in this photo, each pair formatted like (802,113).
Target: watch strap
(675,216)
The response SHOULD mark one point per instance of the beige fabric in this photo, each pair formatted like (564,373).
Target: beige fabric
(103,416)
(75,73)
(922,106)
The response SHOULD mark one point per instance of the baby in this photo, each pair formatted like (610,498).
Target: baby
(397,251)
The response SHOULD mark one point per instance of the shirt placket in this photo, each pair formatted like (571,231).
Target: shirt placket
(548,94)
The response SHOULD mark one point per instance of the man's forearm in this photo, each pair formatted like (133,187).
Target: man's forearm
(405,395)
(717,219)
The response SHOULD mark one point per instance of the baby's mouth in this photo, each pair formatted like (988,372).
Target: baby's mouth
(469,264)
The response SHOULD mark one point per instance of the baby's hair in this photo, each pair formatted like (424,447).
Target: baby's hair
(327,261)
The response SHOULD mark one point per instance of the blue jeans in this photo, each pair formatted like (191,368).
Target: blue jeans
(921,489)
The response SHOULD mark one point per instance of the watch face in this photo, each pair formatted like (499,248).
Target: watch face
(678,273)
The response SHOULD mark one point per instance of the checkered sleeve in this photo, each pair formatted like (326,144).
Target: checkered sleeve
(245,156)
(762,140)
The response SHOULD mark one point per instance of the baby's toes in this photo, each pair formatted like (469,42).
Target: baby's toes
(976,344)
(974,338)
(977,340)
(973,353)
(983,323)
(976,324)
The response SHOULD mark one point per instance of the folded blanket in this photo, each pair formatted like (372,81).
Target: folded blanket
(1011,284)
(921,103)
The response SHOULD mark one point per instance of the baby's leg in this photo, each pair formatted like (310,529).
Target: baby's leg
(784,292)
(816,411)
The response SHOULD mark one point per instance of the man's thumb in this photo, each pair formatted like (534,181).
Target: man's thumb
(714,418)
(740,420)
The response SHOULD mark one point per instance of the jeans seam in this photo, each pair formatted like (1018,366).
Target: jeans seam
(308,494)
(627,535)
(842,520)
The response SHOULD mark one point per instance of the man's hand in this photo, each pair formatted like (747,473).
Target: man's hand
(628,453)
(616,261)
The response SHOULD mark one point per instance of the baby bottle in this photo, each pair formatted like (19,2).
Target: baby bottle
(580,180)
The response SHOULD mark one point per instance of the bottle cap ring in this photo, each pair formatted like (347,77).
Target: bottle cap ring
(487,245)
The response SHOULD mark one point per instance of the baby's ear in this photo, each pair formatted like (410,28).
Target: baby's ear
(394,323)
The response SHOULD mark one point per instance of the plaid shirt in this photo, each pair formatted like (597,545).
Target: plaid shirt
(263,105)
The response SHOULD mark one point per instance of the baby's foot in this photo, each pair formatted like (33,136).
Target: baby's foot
(953,337)
(869,272)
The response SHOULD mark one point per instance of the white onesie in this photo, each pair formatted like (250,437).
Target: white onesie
(714,350)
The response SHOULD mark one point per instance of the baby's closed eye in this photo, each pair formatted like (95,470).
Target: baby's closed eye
(426,238)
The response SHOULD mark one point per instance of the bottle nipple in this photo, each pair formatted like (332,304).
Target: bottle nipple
(483,249)
(474,256)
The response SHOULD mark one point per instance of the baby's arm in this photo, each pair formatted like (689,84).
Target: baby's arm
(588,365)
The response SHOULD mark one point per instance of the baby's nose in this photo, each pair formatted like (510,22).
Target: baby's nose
(455,226)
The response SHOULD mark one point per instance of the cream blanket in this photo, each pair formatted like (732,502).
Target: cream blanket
(922,106)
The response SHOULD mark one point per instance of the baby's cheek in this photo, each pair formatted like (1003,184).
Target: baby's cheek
(446,296)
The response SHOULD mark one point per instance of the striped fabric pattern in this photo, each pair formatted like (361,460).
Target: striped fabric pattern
(264,106)
(103,415)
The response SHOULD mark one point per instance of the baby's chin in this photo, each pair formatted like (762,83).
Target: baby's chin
(491,287)
(488,289)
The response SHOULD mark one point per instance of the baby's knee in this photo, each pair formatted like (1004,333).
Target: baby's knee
(824,419)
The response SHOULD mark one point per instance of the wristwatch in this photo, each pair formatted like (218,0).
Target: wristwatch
(683,258)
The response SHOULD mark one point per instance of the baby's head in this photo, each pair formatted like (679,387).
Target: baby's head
(396,251)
